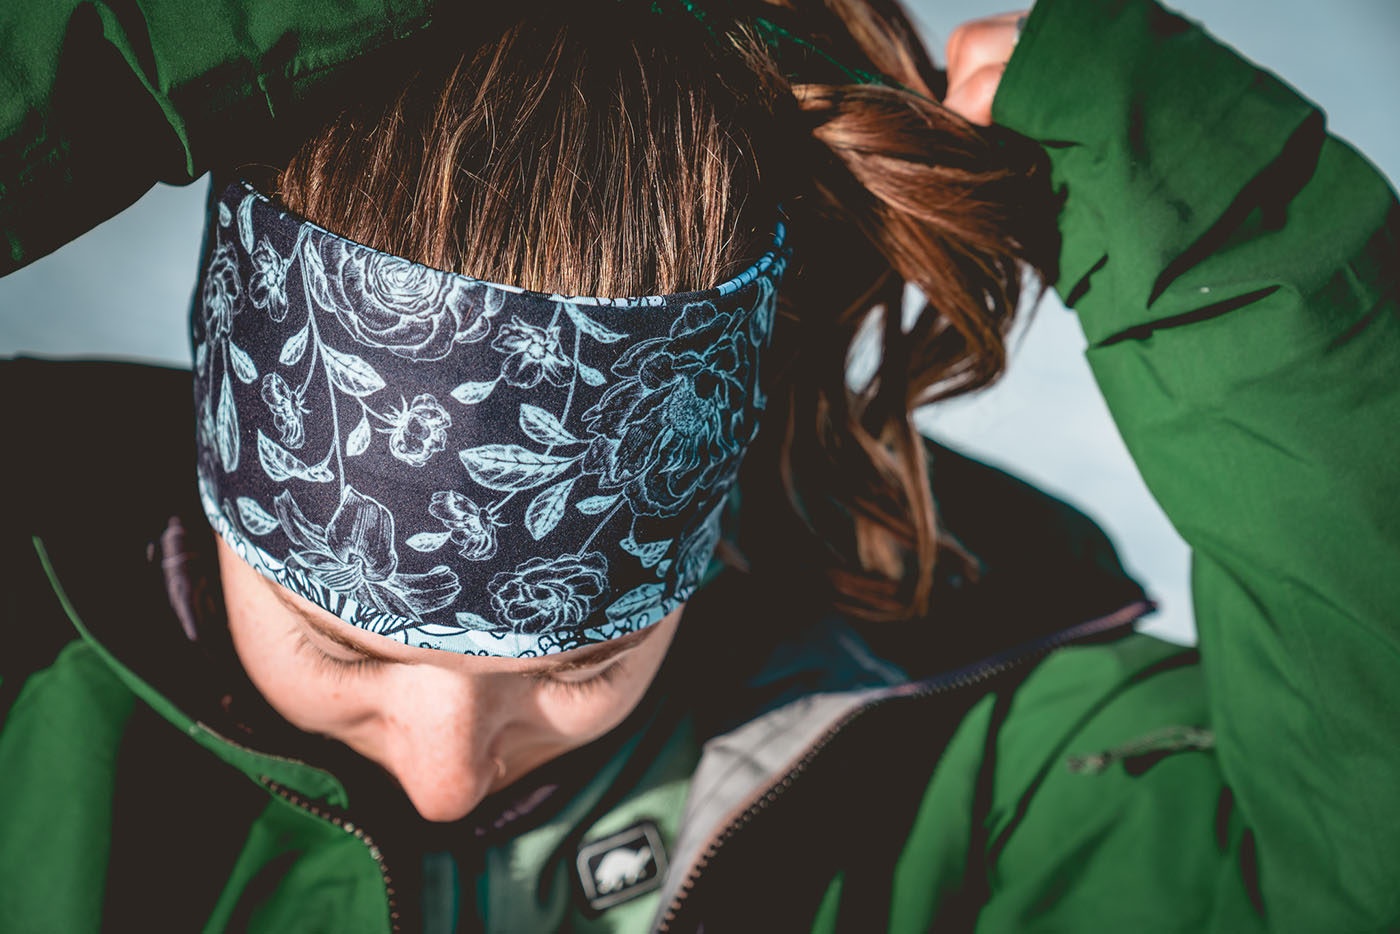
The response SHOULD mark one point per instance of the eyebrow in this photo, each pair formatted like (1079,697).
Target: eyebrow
(586,657)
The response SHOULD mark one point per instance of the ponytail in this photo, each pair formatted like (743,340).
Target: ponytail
(900,191)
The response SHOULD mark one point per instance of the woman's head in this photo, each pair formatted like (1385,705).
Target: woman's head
(588,150)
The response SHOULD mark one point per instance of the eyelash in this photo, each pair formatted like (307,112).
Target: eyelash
(342,668)
(336,666)
(585,686)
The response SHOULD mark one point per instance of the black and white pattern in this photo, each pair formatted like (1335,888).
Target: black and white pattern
(459,464)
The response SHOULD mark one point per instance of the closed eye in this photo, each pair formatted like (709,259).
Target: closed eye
(340,667)
(580,686)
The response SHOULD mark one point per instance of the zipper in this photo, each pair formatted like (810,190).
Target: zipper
(158,703)
(337,817)
(944,683)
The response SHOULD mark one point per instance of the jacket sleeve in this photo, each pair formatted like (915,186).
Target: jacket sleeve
(1235,269)
(100,99)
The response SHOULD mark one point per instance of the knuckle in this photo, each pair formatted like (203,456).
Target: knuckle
(969,39)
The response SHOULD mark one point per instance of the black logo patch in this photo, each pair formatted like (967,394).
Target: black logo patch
(622,866)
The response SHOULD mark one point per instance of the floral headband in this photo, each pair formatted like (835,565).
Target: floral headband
(458,464)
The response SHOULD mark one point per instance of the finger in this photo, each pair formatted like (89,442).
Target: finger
(972,98)
(977,44)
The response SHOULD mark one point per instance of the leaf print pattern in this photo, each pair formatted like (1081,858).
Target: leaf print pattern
(590,327)
(295,347)
(351,374)
(416,429)
(472,393)
(242,364)
(279,465)
(510,467)
(547,508)
(245,221)
(226,427)
(358,441)
(595,504)
(256,519)
(591,376)
(638,601)
(543,428)
(649,553)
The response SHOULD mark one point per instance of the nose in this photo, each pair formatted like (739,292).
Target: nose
(442,741)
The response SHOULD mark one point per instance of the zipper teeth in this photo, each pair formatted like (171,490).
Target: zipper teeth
(202,727)
(980,671)
(333,816)
(955,680)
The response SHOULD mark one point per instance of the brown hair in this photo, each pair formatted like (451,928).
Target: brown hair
(602,150)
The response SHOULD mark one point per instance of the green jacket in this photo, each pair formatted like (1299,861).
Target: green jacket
(1021,763)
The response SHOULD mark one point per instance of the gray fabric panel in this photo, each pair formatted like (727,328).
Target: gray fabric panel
(736,766)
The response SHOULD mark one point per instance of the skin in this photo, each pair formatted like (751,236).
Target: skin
(450,728)
(977,53)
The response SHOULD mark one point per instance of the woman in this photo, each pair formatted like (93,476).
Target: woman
(850,720)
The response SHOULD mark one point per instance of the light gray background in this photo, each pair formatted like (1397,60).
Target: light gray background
(124,289)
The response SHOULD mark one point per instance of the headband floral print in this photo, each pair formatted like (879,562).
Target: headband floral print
(458,464)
